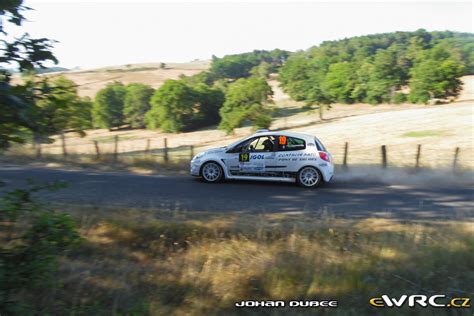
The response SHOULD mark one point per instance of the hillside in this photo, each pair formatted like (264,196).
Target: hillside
(90,81)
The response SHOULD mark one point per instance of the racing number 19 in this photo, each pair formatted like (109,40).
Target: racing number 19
(244,157)
(282,140)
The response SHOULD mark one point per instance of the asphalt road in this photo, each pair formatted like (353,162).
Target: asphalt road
(354,199)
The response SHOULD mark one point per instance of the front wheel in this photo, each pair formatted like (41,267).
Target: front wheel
(212,172)
(309,177)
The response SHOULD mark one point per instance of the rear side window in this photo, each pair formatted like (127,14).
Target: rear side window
(286,143)
(319,145)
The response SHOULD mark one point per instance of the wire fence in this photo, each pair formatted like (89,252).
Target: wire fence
(162,150)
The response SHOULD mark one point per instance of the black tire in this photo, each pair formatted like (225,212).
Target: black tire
(309,177)
(212,172)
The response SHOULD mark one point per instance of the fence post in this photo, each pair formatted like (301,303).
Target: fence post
(38,150)
(191,152)
(116,140)
(418,155)
(384,156)
(346,149)
(456,156)
(97,150)
(147,148)
(63,144)
(165,150)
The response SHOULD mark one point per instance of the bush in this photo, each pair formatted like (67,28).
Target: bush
(399,98)
(32,238)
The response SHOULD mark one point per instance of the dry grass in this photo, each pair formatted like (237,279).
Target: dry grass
(143,164)
(136,262)
(92,80)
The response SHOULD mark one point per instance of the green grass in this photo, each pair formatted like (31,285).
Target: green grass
(152,262)
(428,133)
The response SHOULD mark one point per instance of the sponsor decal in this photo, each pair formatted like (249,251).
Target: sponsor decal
(419,300)
(293,303)
(297,156)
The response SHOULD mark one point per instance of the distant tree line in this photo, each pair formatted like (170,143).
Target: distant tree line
(375,68)
(233,91)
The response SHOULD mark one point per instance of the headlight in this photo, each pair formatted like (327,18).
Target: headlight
(199,155)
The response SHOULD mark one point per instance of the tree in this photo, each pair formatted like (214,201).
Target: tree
(210,101)
(385,77)
(72,112)
(52,106)
(262,70)
(436,75)
(107,111)
(233,66)
(25,53)
(136,104)
(173,106)
(339,82)
(204,77)
(293,76)
(246,100)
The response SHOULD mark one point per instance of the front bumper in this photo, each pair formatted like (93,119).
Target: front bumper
(195,167)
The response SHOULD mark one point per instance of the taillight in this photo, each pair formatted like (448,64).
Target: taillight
(324,156)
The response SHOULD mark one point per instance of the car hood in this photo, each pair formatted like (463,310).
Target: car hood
(215,150)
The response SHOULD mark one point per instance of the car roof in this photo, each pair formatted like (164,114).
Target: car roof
(306,137)
(285,133)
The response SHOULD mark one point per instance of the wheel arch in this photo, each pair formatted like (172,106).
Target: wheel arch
(315,167)
(219,162)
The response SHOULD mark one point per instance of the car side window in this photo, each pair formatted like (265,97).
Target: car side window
(286,143)
(239,147)
(261,144)
(319,145)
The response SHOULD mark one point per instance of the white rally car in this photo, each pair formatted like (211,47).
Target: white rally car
(270,156)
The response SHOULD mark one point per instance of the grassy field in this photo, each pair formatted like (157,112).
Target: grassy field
(155,262)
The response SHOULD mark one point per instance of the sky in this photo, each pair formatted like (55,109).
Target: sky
(104,32)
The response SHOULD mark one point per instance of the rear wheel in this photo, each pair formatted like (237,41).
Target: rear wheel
(212,172)
(309,177)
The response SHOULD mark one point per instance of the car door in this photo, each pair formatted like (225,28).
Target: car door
(289,153)
(251,156)
(257,155)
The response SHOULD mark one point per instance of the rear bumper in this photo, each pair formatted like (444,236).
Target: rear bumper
(327,172)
